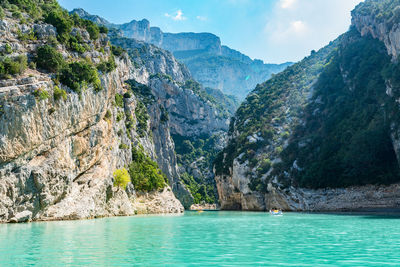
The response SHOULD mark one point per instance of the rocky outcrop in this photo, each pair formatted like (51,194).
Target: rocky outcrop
(300,199)
(157,202)
(386,29)
(201,207)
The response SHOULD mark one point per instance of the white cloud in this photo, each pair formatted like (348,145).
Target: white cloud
(298,26)
(295,27)
(287,3)
(178,15)
(201,18)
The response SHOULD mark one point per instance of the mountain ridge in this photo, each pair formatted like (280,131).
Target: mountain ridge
(231,72)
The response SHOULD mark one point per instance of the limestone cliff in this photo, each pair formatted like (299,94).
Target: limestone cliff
(58,154)
(190,111)
(323,134)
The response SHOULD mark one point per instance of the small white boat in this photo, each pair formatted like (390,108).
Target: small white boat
(276,212)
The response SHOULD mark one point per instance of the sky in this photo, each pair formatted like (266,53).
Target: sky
(275,31)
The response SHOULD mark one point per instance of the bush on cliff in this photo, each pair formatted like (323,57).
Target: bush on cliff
(121,178)
(144,172)
(78,75)
(14,66)
(49,59)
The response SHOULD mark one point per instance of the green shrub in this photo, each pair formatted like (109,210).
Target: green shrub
(59,93)
(121,178)
(142,117)
(92,29)
(62,21)
(2,15)
(108,114)
(264,166)
(120,116)
(144,172)
(41,94)
(17,14)
(117,50)
(14,66)
(119,100)
(77,47)
(103,29)
(32,7)
(49,59)
(79,74)
(164,115)
(7,49)
(107,66)
(123,146)
(26,36)
(127,95)
(51,40)
(32,65)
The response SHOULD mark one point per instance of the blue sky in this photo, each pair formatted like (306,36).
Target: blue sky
(272,30)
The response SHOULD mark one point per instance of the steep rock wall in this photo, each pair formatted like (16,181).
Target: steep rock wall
(57,157)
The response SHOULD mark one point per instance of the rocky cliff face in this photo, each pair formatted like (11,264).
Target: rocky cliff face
(307,129)
(192,112)
(209,62)
(57,156)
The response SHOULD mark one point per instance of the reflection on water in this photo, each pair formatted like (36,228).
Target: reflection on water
(222,238)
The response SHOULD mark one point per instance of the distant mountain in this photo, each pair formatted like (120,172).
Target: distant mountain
(211,63)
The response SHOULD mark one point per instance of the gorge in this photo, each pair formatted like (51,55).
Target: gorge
(100,119)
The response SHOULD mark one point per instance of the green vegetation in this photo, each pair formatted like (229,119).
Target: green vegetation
(142,117)
(13,66)
(107,66)
(337,137)
(164,114)
(120,116)
(60,19)
(202,150)
(41,93)
(108,115)
(348,141)
(77,75)
(144,172)
(270,110)
(123,146)
(7,49)
(49,59)
(103,29)
(92,29)
(145,98)
(28,36)
(141,91)
(117,50)
(59,93)
(383,10)
(121,178)
(2,15)
(161,76)
(119,100)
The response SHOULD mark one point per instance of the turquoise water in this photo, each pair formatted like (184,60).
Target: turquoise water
(218,238)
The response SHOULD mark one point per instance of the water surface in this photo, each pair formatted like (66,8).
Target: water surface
(218,238)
